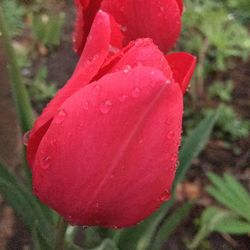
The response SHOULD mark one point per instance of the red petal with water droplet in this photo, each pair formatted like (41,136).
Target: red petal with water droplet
(112,167)
(140,52)
(85,15)
(180,4)
(156,19)
(182,65)
(92,58)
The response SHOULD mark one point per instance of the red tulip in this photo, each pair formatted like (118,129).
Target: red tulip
(156,19)
(104,151)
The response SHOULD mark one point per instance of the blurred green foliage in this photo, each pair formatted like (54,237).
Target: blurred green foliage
(40,90)
(230,125)
(221,90)
(212,29)
(14,14)
(47,28)
(234,218)
(217,32)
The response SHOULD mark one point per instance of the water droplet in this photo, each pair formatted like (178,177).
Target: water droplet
(170,135)
(46,161)
(174,157)
(123,98)
(95,57)
(122,8)
(97,89)
(124,28)
(99,21)
(127,68)
(141,141)
(90,38)
(105,106)
(86,105)
(26,138)
(162,9)
(113,49)
(177,164)
(60,117)
(165,196)
(136,92)
(168,81)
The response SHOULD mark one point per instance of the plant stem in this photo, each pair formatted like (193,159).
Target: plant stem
(60,233)
(21,98)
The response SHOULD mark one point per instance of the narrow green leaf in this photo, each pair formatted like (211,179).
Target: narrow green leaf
(107,244)
(40,243)
(222,189)
(194,144)
(210,218)
(233,226)
(146,239)
(25,204)
(170,224)
(238,190)
(21,98)
(228,203)
(138,237)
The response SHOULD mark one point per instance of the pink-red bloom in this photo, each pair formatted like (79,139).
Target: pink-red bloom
(104,151)
(159,20)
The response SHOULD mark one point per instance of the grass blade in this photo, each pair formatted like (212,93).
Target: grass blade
(194,144)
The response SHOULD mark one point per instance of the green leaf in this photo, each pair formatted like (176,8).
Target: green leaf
(25,204)
(233,226)
(21,98)
(224,192)
(146,239)
(170,224)
(210,219)
(139,236)
(237,189)
(194,144)
(107,244)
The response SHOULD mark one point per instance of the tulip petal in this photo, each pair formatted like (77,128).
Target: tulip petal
(180,4)
(156,19)
(140,52)
(182,65)
(109,155)
(86,11)
(92,58)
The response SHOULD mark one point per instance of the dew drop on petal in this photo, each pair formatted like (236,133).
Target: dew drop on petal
(105,106)
(141,141)
(165,196)
(174,157)
(46,162)
(168,81)
(113,49)
(170,135)
(136,92)
(123,28)
(123,98)
(127,68)
(86,105)
(26,138)
(97,89)
(60,117)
